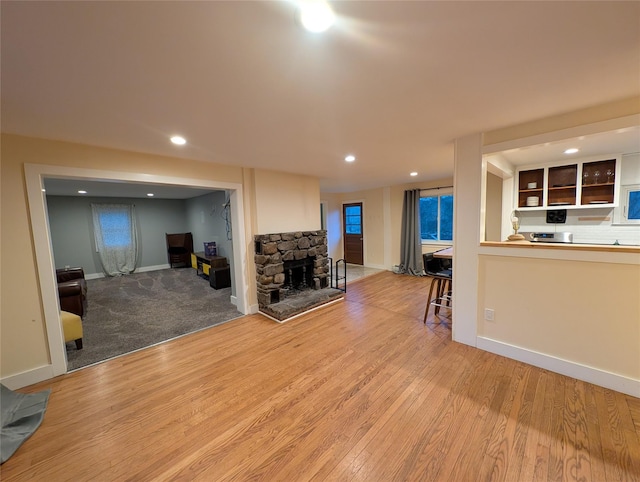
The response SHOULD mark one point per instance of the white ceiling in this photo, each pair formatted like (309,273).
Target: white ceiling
(70,187)
(392,82)
(617,142)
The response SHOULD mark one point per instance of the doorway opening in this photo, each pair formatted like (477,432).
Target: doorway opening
(35,175)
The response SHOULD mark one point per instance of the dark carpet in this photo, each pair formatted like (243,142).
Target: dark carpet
(127,313)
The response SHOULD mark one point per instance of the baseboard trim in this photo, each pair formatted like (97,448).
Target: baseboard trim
(234,300)
(20,380)
(378,266)
(156,267)
(571,369)
(253,309)
(142,269)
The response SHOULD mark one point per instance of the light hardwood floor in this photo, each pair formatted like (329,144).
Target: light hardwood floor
(361,390)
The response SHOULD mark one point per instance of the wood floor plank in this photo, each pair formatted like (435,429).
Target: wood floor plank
(359,390)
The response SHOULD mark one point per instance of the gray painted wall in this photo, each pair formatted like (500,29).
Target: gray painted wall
(204,215)
(206,220)
(71,227)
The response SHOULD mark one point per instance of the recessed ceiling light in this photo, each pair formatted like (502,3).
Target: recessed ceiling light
(573,150)
(150,194)
(350,158)
(82,192)
(178,140)
(414,173)
(316,15)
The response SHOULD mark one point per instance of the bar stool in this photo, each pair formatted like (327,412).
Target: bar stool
(440,279)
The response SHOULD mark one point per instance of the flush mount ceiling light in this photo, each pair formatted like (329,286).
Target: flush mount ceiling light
(413,174)
(316,15)
(178,140)
(82,192)
(150,194)
(350,158)
(573,150)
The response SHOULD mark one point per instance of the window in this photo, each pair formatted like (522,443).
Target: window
(436,217)
(633,205)
(116,229)
(629,210)
(353,219)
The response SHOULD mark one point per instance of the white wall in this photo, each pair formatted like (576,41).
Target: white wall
(567,309)
(493,208)
(630,169)
(286,202)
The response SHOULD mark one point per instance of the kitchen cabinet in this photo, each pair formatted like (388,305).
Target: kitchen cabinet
(598,182)
(581,184)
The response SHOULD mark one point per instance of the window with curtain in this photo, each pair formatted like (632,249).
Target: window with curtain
(436,217)
(115,235)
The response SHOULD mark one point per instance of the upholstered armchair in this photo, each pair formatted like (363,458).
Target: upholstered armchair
(72,290)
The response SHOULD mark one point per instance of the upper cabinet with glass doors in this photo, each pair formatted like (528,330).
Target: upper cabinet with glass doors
(586,183)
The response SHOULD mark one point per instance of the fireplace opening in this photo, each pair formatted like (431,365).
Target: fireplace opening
(298,274)
(274,296)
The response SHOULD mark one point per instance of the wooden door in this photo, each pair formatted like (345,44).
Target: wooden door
(352,233)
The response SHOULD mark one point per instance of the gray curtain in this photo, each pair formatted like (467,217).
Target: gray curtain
(411,246)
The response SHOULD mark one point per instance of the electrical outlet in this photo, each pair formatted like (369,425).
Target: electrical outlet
(489,314)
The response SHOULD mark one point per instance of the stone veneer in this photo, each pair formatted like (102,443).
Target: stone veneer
(273,250)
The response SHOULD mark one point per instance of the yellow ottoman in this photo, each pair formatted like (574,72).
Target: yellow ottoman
(72,328)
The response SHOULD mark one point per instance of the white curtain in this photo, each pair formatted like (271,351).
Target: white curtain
(114,227)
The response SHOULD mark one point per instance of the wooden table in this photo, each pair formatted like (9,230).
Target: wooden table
(446,253)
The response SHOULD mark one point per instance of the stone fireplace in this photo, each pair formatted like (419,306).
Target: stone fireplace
(292,272)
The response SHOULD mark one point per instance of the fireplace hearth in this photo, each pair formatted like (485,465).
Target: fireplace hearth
(292,273)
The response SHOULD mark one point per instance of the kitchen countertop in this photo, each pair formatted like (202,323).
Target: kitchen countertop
(610,248)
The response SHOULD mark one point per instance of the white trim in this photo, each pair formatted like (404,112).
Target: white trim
(442,191)
(36,375)
(303,313)
(233,300)
(565,253)
(621,211)
(143,269)
(156,267)
(377,266)
(34,178)
(386,222)
(253,309)
(436,242)
(585,373)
